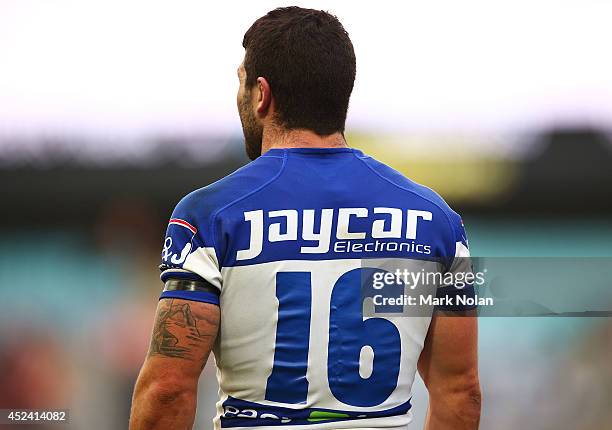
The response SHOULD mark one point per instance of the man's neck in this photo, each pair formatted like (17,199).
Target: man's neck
(300,139)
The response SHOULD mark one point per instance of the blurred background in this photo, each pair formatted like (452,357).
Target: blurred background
(111,111)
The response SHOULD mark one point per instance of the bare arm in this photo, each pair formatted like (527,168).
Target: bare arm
(449,366)
(166,390)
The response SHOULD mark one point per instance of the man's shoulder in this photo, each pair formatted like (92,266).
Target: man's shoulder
(208,200)
(406,185)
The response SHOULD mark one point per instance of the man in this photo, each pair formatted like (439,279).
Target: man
(263,267)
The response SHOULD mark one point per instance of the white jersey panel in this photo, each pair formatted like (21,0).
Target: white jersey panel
(247,341)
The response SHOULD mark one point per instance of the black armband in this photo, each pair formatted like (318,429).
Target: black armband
(173,284)
(189,289)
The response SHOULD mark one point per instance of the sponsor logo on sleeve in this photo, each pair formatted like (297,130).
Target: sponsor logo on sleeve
(178,243)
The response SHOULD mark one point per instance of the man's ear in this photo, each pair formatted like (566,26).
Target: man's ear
(264,98)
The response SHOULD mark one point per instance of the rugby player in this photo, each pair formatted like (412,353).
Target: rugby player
(263,267)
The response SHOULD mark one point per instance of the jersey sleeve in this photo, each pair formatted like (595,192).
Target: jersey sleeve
(188,253)
(457,290)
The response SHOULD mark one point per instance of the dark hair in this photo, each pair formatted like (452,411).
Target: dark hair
(308,59)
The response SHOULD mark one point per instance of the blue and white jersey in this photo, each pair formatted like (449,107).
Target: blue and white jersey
(285,240)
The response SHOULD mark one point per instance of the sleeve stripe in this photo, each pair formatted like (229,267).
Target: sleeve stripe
(194,296)
(183,223)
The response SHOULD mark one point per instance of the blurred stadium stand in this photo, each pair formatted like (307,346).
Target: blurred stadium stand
(568,173)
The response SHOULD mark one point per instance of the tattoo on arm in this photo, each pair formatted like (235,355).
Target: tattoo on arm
(180,332)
